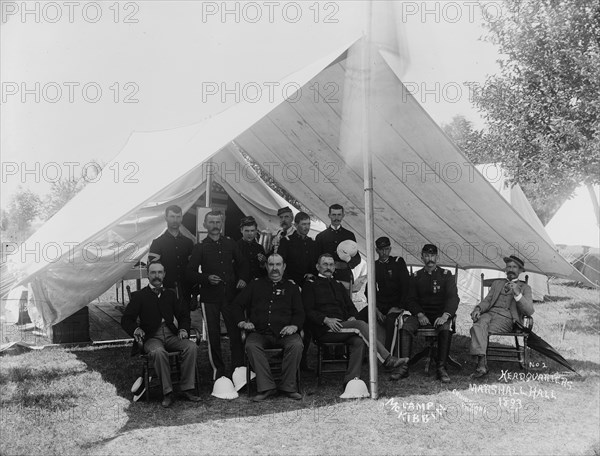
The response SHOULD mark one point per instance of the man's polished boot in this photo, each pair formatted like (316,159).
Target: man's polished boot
(444,338)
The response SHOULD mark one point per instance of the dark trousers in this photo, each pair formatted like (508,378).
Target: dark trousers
(444,335)
(164,341)
(212,313)
(387,329)
(292,353)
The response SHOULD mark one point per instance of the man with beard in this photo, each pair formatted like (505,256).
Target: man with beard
(173,250)
(252,250)
(159,332)
(286,227)
(331,315)
(432,301)
(506,303)
(212,266)
(275,317)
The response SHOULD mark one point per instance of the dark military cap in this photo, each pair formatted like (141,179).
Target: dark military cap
(382,242)
(283,210)
(430,248)
(247,221)
(515,259)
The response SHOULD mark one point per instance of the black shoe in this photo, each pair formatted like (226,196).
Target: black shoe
(293,395)
(393,362)
(304,367)
(188,396)
(443,375)
(167,400)
(402,372)
(264,395)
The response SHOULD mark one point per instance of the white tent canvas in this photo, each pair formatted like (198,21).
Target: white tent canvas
(469,281)
(580,207)
(425,189)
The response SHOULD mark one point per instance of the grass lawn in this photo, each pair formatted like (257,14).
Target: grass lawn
(57,401)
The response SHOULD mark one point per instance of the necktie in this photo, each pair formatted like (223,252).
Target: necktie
(284,233)
(157,290)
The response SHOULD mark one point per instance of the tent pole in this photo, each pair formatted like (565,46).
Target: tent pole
(368,188)
(209,180)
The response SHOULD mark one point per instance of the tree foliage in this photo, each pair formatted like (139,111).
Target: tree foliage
(24,206)
(543,109)
(60,194)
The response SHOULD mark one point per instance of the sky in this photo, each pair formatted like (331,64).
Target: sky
(79,77)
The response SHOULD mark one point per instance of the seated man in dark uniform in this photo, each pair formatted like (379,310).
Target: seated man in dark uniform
(251,249)
(392,280)
(432,301)
(157,308)
(275,317)
(332,317)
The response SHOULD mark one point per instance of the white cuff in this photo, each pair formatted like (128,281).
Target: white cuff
(518,297)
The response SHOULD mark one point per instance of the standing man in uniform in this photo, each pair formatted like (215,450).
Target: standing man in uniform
(286,227)
(275,317)
(251,249)
(212,266)
(392,282)
(299,252)
(173,250)
(328,240)
(432,301)
(164,325)
(506,303)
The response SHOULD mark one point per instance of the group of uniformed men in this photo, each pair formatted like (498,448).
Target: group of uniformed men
(301,287)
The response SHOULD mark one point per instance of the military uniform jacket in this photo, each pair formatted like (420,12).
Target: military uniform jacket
(517,308)
(322,298)
(269,306)
(250,250)
(433,294)
(174,254)
(393,282)
(328,241)
(300,256)
(151,309)
(222,258)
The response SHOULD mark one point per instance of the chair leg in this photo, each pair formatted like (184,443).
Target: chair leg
(248,376)
(525,355)
(146,375)
(197,379)
(319,361)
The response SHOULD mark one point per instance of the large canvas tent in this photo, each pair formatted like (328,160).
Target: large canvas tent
(425,189)
(469,280)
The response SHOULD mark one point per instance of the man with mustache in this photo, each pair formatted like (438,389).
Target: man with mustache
(506,303)
(220,268)
(299,251)
(391,280)
(328,241)
(173,250)
(286,227)
(331,315)
(275,316)
(432,301)
(159,332)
